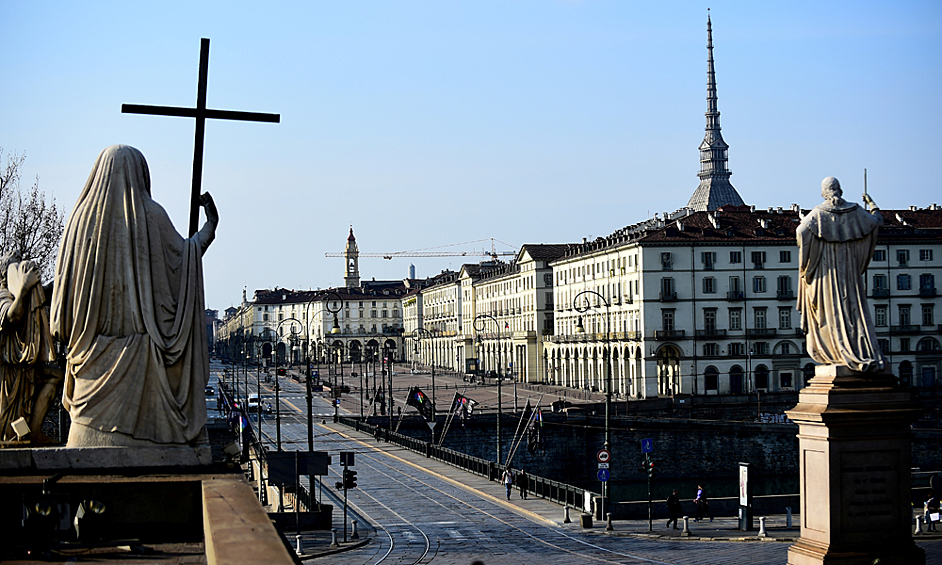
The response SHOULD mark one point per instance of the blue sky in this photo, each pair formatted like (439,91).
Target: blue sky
(427,124)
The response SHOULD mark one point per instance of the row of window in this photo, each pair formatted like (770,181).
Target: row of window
(904,282)
(783,286)
(881,315)
(708,259)
(902,256)
(760,374)
(760,319)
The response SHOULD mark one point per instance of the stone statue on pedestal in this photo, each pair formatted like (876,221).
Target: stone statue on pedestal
(25,344)
(853,420)
(836,242)
(128,305)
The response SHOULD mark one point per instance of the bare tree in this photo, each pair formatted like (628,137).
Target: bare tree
(29,225)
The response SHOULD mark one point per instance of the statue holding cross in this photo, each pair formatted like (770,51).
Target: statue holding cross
(128,299)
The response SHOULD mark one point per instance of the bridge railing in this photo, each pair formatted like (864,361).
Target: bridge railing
(554,491)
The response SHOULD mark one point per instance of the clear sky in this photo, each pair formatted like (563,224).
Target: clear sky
(426,124)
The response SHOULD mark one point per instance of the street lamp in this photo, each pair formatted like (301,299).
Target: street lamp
(418,334)
(309,395)
(277,385)
(585,306)
(484,318)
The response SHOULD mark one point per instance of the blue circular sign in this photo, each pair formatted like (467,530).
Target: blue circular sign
(604,474)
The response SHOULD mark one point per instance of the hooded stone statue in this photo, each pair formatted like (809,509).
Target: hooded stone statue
(836,242)
(128,304)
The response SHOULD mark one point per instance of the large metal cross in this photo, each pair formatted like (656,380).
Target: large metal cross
(200,113)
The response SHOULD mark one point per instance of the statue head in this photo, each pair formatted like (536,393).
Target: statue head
(6,259)
(831,188)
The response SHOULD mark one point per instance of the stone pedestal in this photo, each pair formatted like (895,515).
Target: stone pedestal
(854,446)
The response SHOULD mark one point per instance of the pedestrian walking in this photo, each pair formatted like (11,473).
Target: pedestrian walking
(522,483)
(507,479)
(673,508)
(932,513)
(703,505)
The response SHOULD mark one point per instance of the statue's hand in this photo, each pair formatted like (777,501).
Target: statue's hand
(30,276)
(869,201)
(209,206)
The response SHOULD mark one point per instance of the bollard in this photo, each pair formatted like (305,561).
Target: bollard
(566,519)
(333,538)
(686,532)
(608,525)
(355,535)
(297,549)
(788,517)
(762,532)
(918,529)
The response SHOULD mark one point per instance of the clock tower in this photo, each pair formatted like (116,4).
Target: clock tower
(351,260)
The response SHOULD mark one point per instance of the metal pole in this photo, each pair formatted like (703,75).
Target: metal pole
(310,409)
(277,404)
(499,398)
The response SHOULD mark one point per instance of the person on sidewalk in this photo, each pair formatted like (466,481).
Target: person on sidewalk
(522,483)
(703,506)
(507,479)
(673,509)
(932,509)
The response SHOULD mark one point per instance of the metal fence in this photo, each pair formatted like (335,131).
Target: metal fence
(554,491)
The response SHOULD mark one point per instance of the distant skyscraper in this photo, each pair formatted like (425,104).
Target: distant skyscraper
(411,271)
(715,189)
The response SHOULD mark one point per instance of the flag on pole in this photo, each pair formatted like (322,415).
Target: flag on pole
(535,432)
(463,406)
(421,402)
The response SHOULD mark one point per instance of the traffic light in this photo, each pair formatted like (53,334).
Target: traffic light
(349,479)
(649,464)
(338,485)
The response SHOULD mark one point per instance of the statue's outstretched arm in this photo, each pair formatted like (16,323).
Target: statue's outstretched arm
(207,234)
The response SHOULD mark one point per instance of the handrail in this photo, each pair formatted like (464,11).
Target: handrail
(554,491)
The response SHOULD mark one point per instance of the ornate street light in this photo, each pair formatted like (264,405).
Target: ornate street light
(483,318)
(583,307)
(418,334)
(277,385)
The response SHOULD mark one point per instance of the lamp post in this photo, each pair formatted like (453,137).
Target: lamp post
(585,306)
(308,357)
(277,385)
(418,334)
(333,297)
(483,318)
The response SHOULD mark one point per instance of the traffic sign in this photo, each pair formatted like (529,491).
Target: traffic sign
(603,465)
(604,474)
(604,456)
(647,445)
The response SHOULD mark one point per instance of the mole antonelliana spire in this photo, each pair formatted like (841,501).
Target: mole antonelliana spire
(715,189)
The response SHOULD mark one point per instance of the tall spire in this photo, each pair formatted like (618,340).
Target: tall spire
(715,189)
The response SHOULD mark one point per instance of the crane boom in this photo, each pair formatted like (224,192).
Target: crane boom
(389,256)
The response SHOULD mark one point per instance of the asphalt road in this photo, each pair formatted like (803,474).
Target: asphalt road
(415,514)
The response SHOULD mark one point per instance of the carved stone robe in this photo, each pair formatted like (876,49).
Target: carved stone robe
(25,345)
(128,304)
(836,242)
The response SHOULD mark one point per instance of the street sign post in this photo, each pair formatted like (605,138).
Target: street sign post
(604,456)
(604,475)
(647,445)
(603,465)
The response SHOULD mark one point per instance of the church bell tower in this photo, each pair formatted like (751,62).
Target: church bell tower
(351,259)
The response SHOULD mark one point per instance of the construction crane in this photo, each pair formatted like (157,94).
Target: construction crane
(432,252)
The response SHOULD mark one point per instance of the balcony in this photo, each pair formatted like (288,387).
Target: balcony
(711,333)
(927,292)
(880,293)
(785,295)
(668,334)
(735,295)
(668,296)
(905,329)
(760,332)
